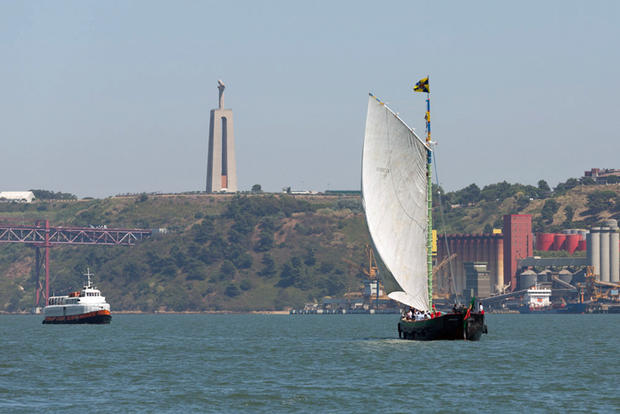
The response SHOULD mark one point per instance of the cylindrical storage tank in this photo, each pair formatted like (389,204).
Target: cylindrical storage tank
(594,250)
(526,279)
(543,276)
(558,241)
(500,265)
(572,241)
(614,256)
(565,276)
(582,246)
(544,241)
(605,260)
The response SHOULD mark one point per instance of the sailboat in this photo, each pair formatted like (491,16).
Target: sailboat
(396,194)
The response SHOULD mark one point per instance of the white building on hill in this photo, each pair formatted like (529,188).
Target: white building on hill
(18,196)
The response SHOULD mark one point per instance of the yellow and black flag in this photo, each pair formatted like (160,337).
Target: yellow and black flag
(422,86)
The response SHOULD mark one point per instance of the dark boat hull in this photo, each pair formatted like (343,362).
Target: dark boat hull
(570,308)
(452,326)
(99,318)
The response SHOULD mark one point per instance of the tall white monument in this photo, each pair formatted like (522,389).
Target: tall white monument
(221,165)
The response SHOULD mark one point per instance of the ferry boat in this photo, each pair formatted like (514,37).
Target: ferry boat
(84,306)
(537,299)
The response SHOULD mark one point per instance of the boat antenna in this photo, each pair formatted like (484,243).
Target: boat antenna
(88,275)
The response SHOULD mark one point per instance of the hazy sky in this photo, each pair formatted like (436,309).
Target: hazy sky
(106,97)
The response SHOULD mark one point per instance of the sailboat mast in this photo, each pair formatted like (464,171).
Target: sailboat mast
(429,196)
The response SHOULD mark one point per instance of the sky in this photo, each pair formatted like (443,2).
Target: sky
(104,98)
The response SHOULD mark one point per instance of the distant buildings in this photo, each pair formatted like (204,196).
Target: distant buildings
(601,175)
(487,264)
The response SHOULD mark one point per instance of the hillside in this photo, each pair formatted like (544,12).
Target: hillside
(246,252)
(221,252)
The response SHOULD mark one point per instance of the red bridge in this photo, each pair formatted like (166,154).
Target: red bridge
(42,235)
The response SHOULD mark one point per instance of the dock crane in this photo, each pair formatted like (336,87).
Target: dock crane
(436,268)
(371,271)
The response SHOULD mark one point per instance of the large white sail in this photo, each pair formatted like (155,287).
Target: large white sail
(394,189)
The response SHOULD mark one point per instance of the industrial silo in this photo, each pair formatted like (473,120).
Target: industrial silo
(544,241)
(582,246)
(543,276)
(583,233)
(614,253)
(526,279)
(565,276)
(594,250)
(572,242)
(558,242)
(605,259)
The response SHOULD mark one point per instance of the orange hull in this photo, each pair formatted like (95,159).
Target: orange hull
(98,317)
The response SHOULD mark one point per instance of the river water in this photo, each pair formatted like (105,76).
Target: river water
(307,364)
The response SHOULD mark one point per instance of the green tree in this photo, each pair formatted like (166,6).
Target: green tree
(601,200)
(562,188)
(469,194)
(51,195)
(227,270)
(243,261)
(269,266)
(544,190)
(265,242)
(569,212)
(256,189)
(289,276)
(309,258)
(587,181)
(246,285)
(498,192)
(549,209)
(232,291)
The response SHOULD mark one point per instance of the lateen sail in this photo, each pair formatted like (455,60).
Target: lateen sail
(394,189)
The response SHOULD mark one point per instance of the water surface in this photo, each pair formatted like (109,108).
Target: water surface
(308,364)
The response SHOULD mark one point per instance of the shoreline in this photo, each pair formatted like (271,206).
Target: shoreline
(224,312)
